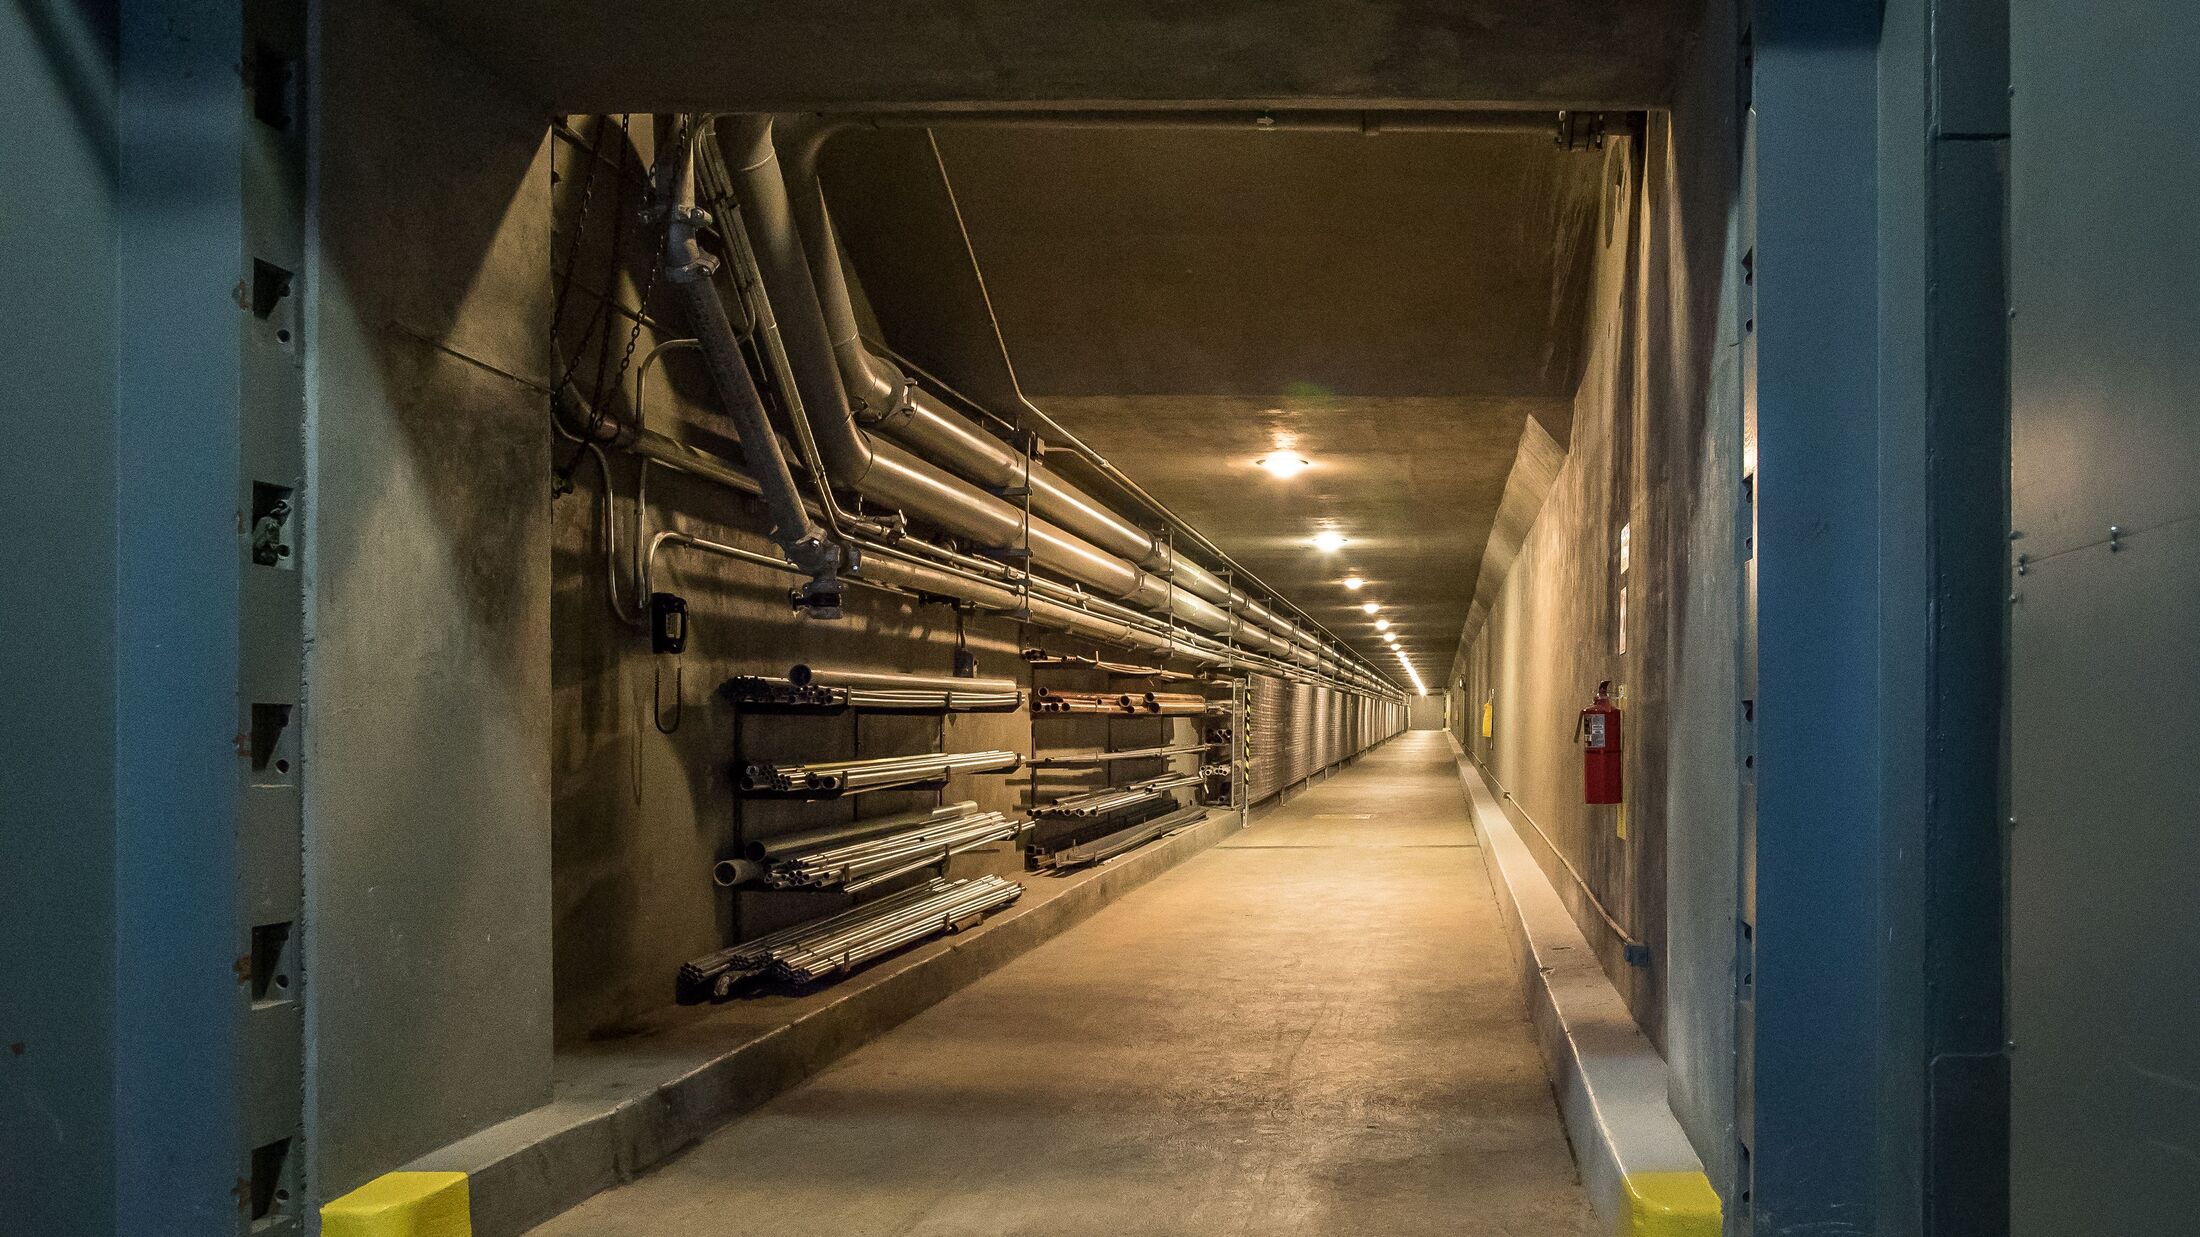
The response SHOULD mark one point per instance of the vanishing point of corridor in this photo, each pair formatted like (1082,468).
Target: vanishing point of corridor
(1315,1027)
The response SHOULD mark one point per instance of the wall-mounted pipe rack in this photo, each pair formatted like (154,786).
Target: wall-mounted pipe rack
(808,952)
(848,777)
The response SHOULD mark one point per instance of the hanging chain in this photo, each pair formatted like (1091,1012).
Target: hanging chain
(657,252)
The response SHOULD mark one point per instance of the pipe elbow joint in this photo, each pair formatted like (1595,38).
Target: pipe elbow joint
(880,392)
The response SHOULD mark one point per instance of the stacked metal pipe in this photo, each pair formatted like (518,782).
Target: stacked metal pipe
(849,777)
(1040,657)
(1104,848)
(867,689)
(1096,757)
(1053,700)
(811,951)
(1165,702)
(1120,704)
(856,866)
(1108,801)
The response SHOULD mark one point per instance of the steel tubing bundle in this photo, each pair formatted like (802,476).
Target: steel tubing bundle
(1040,657)
(764,850)
(1129,704)
(1108,847)
(1106,802)
(857,776)
(1096,757)
(819,695)
(869,862)
(868,680)
(809,951)
(813,957)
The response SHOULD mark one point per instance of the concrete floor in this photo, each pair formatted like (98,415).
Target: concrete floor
(1314,1028)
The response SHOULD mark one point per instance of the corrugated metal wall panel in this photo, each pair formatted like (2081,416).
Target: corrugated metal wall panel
(1298,729)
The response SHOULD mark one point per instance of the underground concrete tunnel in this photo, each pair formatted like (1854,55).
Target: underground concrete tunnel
(1340,617)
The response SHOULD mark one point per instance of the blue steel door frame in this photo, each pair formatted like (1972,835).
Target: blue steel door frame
(1872,1073)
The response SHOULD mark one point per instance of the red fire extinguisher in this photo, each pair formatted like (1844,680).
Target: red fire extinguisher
(1599,734)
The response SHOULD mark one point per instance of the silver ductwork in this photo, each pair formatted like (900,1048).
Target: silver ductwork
(1103,553)
(689,270)
(875,389)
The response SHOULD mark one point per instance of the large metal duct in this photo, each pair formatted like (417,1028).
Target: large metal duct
(884,396)
(689,270)
(1097,547)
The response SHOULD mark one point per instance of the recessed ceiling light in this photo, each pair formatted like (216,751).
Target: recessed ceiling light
(1354,583)
(1328,541)
(1370,608)
(1285,464)
(1382,624)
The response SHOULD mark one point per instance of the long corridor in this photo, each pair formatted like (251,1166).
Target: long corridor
(1314,1028)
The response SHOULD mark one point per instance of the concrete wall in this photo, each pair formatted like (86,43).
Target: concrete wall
(58,84)
(427,757)
(1425,712)
(1655,451)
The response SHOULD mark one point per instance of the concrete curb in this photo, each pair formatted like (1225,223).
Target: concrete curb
(523,1171)
(1640,1172)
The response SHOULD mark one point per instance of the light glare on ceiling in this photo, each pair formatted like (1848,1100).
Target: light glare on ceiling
(1354,583)
(1284,464)
(1328,541)
(1370,608)
(1382,624)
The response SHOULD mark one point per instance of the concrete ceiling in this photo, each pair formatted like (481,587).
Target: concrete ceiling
(1391,307)
(678,55)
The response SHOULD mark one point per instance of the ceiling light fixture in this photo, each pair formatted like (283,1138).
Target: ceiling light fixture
(1284,464)
(1382,624)
(1354,583)
(1328,541)
(1370,608)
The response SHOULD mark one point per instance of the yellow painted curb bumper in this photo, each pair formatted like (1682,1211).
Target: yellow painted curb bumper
(402,1205)
(1669,1205)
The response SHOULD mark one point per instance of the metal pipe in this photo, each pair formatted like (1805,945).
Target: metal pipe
(808,313)
(690,269)
(857,776)
(1102,757)
(826,676)
(810,951)
(894,568)
(1104,848)
(867,862)
(830,835)
(894,402)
